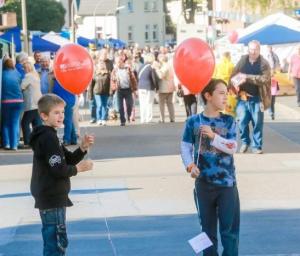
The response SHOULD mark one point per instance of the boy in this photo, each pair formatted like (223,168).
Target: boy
(53,165)
(207,148)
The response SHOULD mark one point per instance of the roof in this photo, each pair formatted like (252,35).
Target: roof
(273,29)
(103,7)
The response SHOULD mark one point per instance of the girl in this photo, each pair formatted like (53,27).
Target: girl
(208,143)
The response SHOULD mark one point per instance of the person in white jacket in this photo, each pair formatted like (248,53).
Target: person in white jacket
(31,88)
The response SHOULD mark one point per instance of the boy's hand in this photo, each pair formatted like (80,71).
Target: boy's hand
(86,142)
(206,130)
(193,170)
(85,165)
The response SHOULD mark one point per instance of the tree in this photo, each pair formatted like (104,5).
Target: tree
(42,15)
(170,26)
(263,7)
(189,8)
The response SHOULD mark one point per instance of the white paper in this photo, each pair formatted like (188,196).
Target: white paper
(236,80)
(200,242)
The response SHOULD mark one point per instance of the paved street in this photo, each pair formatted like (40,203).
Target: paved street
(138,200)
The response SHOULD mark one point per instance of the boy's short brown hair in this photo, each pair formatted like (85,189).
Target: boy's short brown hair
(48,101)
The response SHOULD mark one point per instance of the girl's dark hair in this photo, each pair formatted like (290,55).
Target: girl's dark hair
(211,87)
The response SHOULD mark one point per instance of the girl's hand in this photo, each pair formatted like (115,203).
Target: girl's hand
(206,130)
(86,142)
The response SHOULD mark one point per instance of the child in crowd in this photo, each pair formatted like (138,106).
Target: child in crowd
(207,148)
(53,165)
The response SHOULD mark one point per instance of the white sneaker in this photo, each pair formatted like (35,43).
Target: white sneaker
(99,122)
(104,123)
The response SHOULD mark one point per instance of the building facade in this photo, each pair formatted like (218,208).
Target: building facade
(143,23)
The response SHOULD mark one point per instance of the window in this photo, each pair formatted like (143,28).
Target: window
(147,30)
(130,33)
(146,6)
(130,5)
(154,6)
(155,33)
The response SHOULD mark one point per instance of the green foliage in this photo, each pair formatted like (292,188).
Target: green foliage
(264,7)
(43,15)
(190,5)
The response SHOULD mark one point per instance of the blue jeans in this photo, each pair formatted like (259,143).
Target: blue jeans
(125,94)
(223,204)
(11,113)
(54,231)
(69,130)
(30,117)
(92,106)
(249,111)
(102,107)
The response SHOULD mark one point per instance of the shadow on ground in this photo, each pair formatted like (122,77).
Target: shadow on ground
(275,232)
(162,139)
(74,192)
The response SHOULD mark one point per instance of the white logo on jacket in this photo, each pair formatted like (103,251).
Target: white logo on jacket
(55,159)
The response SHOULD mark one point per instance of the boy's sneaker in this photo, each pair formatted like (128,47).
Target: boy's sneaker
(92,121)
(257,151)
(99,122)
(243,148)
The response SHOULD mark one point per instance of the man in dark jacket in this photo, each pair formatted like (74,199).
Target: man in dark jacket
(251,78)
(53,165)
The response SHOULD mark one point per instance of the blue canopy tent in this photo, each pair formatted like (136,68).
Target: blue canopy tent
(272,35)
(116,43)
(42,45)
(85,42)
(13,35)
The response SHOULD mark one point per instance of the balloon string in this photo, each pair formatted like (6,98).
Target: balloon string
(199,147)
(109,236)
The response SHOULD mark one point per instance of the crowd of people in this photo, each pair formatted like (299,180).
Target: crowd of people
(123,81)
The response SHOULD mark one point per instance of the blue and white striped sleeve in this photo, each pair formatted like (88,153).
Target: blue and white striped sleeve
(187,144)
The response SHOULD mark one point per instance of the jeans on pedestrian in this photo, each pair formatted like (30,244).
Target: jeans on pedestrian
(166,98)
(272,107)
(250,111)
(54,231)
(125,94)
(102,107)
(30,117)
(297,86)
(92,106)
(11,114)
(69,129)
(219,204)
(115,102)
(190,103)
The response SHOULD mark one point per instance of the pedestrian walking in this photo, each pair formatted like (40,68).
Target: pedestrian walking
(294,72)
(251,78)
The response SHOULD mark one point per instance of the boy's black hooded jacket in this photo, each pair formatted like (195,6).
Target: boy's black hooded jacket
(53,165)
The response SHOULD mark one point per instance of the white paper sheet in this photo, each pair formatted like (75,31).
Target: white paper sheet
(200,242)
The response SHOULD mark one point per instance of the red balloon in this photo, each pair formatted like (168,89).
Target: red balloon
(233,36)
(73,68)
(194,64)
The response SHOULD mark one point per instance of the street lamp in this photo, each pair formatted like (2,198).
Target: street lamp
(111,12)
(24,25)
(95,26)
(72,21)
